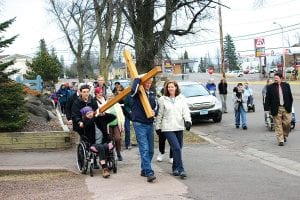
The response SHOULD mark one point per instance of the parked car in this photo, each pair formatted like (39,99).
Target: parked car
(253,71)
(235,73)
(273,69)
(202,105)
(289,70)
(124,82)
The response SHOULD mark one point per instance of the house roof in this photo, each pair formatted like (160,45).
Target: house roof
(14,56)
(179,61)
(118,65)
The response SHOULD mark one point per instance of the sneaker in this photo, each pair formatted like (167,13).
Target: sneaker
(171,160)
(245,128)
(143,174)
(120,158)
(175,173)
(237,126)
(160,157)
(182,174)
(105,173)
(150,179)
(285,139)
(281,144)
(129,147)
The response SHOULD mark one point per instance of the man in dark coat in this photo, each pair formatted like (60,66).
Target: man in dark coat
(279,101)
(222,86)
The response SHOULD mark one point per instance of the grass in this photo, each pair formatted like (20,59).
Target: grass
(33,175)
(188,137)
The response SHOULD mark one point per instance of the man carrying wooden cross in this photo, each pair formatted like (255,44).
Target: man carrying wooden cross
(144,109)
(143,126)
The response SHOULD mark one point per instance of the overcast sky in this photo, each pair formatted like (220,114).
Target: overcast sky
(243,18)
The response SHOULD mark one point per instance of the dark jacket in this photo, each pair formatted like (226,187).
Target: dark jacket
(101,122)
(89,126)
(222,88)
(137,111)
(272,101)
(69,105)
(77,105)
(127,107)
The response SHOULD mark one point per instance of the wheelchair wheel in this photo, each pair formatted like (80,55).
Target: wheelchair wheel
(82,163)
(91,169)
(292,125)
(115,169)
(112,161)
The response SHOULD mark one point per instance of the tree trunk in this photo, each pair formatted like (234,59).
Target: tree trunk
(80,70)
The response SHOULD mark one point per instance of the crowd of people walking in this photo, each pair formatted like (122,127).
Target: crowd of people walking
(171,116)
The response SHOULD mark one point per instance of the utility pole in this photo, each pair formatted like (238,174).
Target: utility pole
(283,50)
(221,40)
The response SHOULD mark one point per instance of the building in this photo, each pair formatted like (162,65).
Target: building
(19,64)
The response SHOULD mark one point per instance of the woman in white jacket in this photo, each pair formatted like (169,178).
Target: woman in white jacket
(173,116)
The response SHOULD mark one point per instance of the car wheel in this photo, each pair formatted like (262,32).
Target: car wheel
(218,118)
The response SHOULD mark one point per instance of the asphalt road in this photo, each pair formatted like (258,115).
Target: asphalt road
(232,164)
(243,164)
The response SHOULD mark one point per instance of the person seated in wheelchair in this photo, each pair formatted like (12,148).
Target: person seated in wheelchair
(249,92)
(89,120)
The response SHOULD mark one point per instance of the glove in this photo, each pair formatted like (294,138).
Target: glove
(187,125)
(158,131)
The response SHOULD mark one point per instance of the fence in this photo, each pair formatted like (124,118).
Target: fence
(36,84)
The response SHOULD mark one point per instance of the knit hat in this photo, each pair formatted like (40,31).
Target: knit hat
(98,90)
(86,110)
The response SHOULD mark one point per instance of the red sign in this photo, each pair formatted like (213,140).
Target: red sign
(210,70)
(259,42)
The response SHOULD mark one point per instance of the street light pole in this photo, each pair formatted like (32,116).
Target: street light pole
(283,51)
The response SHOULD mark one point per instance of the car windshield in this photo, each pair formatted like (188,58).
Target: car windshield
(193,90)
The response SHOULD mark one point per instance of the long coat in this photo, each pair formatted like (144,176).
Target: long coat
(272,101)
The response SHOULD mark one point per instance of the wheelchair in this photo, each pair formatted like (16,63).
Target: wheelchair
(269,121)
(86,158)
(250,104)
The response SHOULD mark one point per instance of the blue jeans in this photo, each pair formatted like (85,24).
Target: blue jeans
(250,100)
(240,113)
(127,131)
(145,139)
(175,139)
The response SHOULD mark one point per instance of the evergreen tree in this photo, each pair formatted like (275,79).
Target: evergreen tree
(44,64)
(201,67)
(62,69)
(230,54)
(13,112)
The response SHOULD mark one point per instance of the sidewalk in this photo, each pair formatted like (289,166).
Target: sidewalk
(127,181)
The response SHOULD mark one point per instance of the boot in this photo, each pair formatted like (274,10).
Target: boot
(105,172)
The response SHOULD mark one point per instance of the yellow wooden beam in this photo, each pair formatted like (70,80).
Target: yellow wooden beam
(127,90)
(115,100)
(134,74)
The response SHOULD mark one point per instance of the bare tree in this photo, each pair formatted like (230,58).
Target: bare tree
(76,20)
(109,20)
(155,22)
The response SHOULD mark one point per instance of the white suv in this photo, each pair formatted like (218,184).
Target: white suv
(202,105)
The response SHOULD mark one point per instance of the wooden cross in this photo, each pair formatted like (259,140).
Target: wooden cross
(134,74)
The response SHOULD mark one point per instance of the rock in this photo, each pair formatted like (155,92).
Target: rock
(37,110)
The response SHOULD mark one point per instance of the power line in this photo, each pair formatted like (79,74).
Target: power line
(241,37)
